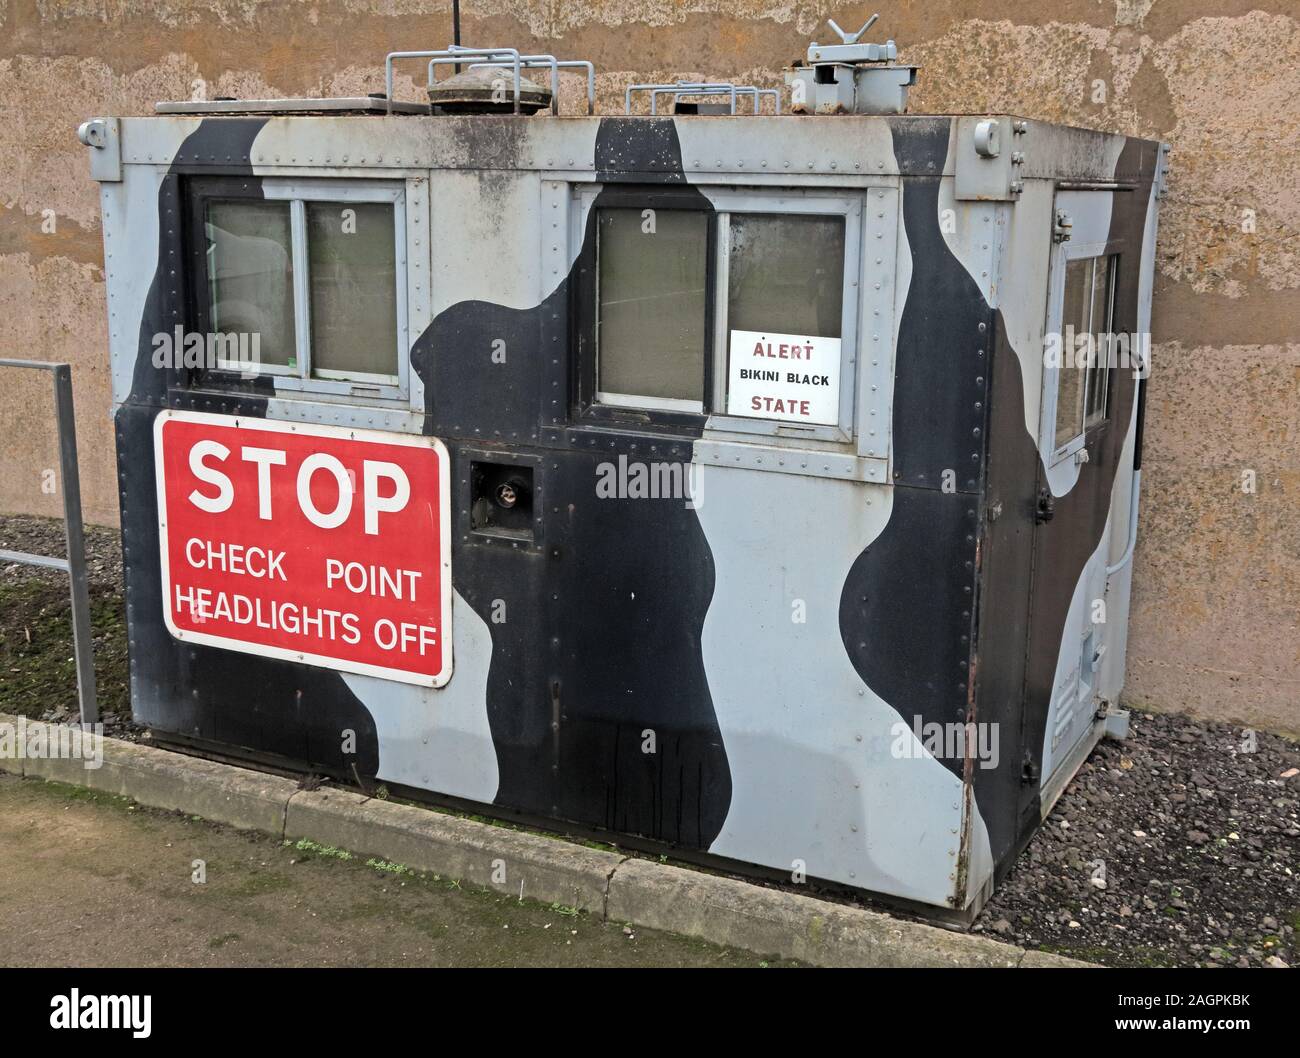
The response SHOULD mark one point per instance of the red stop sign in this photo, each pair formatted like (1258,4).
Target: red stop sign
(319,544)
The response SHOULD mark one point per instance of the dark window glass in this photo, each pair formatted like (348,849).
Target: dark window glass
(352,273)
(1074,322)
(1101,326)
(651,313)
(786,274)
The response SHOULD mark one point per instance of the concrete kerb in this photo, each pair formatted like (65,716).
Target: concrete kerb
(521,864)
(157,778)
(551,870)
(775,922)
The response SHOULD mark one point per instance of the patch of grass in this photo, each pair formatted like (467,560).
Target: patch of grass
(1137,955)
(487,820)
(428,925)
(389,867)
(37,667)
(315,849)
(222,941)
(85,794)
(365,910)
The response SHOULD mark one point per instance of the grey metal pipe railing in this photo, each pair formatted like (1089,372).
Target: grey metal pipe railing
(709,88)
(680,89)
(756,94)
(452,55)
(74,535)
(677,91)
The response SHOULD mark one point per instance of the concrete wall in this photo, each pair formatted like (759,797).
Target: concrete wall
(1216,620)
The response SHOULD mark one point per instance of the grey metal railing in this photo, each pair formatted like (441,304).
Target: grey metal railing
(533,61)
(678,89)
(75,563)
(455,56)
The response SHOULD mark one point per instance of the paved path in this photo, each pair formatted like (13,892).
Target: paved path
(87,879)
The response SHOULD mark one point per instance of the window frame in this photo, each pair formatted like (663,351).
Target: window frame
(299,192)
(1065,252)
(719,203)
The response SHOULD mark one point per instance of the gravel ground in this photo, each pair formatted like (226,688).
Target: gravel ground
(1179,846)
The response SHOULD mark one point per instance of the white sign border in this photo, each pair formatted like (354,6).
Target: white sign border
(312,430)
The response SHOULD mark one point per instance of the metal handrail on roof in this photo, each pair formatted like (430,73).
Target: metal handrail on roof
(446,56)
(680,89)
(529,61)
(458,55)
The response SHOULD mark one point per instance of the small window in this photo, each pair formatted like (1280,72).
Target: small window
(785,310)
(739,313)
(651,330)
(250,275)
(1101,327)
(310,276)
(1086,328)
(1074,322)
(352,282)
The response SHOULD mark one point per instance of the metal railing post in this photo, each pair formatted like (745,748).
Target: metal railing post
(74,535)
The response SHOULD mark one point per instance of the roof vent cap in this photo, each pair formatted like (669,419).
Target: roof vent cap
(487,90)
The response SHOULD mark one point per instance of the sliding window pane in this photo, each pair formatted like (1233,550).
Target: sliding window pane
(352,272)
(651,314)
(1074,322)
(250,275)
(1102,297)
(786,274)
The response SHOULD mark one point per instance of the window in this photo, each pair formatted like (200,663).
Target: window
(785,310)
(651,307)
(1101,327)
(1085,329)
(249,250)
(739,313)
(352,290)
(312,273)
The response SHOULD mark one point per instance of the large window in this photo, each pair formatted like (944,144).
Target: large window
(309,275)
(737,312)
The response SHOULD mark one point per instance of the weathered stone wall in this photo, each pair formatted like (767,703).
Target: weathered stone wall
(1216,620)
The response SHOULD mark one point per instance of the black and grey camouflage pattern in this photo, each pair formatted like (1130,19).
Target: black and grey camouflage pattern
(775,743)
